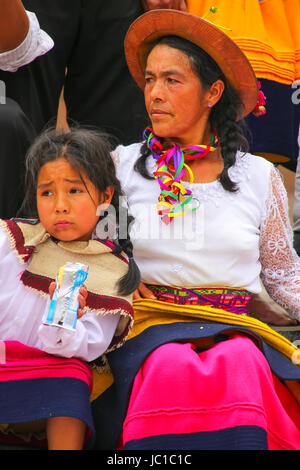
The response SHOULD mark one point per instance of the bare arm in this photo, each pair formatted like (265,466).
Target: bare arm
(168,4)
(14,24)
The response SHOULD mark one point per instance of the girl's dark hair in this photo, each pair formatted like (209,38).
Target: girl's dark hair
(223,116)
(87,150)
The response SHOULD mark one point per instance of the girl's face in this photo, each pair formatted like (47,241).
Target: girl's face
(175,100)
(67,208)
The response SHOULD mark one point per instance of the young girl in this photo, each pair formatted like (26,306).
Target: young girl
(44,375)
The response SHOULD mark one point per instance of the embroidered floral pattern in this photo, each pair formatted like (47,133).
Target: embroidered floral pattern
(280,263)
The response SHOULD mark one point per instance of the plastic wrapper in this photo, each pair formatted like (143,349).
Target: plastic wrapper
(64,304)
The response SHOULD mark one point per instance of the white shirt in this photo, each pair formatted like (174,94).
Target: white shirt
(36,43)
(229,241)
(22,312)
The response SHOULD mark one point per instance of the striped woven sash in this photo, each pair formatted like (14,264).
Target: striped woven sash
(230,300)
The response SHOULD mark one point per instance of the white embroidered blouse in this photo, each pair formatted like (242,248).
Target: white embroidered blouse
(230,240)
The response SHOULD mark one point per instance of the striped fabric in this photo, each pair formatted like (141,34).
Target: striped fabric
(35,386)
(230,300)
(268,33)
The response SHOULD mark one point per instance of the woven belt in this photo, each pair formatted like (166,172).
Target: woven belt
(231,300)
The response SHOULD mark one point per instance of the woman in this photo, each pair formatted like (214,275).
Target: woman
(198,372)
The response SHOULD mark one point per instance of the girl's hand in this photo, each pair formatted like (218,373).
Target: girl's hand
(143,292)
(81,297)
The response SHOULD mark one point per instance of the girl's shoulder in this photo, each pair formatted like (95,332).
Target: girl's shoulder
(5,245)
(9,255)
(20,236)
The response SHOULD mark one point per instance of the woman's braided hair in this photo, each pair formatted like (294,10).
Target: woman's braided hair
(223,116)
(88,151)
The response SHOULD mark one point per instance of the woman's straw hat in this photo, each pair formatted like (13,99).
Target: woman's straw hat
(154,24)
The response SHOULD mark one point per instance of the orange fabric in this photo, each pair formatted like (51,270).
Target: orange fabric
(268,32)
(292,10)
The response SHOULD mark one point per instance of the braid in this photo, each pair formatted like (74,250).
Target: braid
(131,280)
(231,139)
(140,164)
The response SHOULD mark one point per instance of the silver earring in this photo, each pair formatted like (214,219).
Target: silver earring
(209,104)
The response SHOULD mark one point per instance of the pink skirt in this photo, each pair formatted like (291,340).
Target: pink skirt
(225,397)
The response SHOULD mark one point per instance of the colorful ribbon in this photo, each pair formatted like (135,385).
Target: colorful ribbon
(170,159)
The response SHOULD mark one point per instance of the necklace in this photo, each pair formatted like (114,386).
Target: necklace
(174,199)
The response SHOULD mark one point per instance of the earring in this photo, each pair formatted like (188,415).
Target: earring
(209,104)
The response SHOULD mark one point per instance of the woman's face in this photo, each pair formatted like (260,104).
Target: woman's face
(66,206)
(175,100)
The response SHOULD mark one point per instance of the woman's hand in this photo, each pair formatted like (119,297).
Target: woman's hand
(82,296)
(259,308)
(269,312)
(143,292)
(168,4)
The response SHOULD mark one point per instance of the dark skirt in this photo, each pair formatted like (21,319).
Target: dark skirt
(36,386)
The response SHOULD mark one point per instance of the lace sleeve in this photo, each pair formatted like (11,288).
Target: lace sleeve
(280,264)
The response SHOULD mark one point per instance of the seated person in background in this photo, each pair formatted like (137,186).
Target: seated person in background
(21,42)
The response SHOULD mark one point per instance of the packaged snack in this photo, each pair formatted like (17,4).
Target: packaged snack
(64,304)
